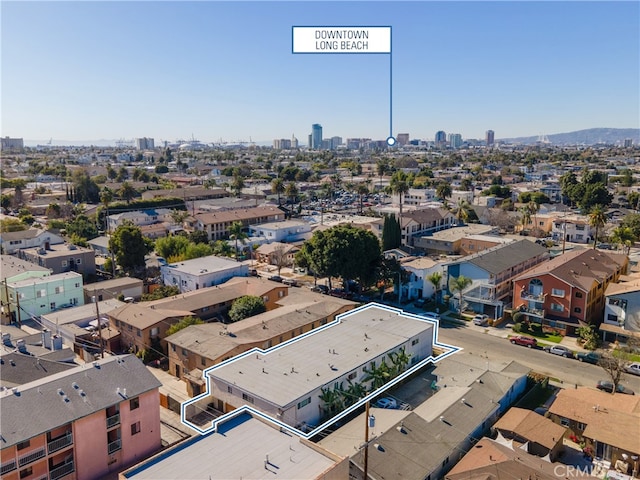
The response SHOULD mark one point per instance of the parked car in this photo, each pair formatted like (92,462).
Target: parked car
(276,278)
(420,303)
(633,368)
(431,315)
(525,341)
(320,289)
(589,357)
(607,386)
(481,319)
(387,402)
(292,282)
(559,350)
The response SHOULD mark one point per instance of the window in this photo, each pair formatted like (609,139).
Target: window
(184,352)
(135,428)
(578,294)
(41,293)
(229,389)
(138,332)
(351,376)
(155,331)
(612,318)
(23,445)
(556,292)
(304,402)
(59,289)
(134,403)
(173,347)
(415,341)
(581,426)
(577,310)
(203,361)
(64,263)
(557,307)
(27,472)
(248,398)
(78,261)
(52,305)
(564,422)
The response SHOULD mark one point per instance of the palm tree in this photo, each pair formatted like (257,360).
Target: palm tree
(526,217)
(179,216)
(399,186)
(400,360)
(291,191)
(462,211)
(277,186)
(443,191)
(106,196)
(378,376)
(236,233)
(381,169)
(362,190)
(127,192)
(353,393)
(597,219)
(237,184)
(436,279)
(458,284)
(623,236)
(329,399)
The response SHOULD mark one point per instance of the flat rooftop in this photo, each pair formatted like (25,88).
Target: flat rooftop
(285,373)
(239,449)
(202,265)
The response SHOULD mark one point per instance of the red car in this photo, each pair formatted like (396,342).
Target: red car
(526,341)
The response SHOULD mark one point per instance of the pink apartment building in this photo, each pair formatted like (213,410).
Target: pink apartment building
(81,423)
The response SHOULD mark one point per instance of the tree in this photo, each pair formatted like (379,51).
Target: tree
(246,306)
(237,234)
(436,280)
(85,189)
(184,323)
(12,225)
(5,201)
(377,375)
(462,211)
(399,360)
(197,250)
(199,236)
(614,362)
(458,284)
(237,184)
(362,190)
(399,186)
(381,168)
(127,192)
(597,220)
(443,191)
(179,216)
(106,197)
(624,237)
(82,227)
(173,246)
(161,292)
(277,186)
(291,191)
(525,217)
(391,234)
(632,220)
(129,247)
(279,258)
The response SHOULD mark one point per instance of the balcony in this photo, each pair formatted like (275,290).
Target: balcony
(61,471)
(60,443)
(7,467)
(31,457)
(532,311)
(113,420)
(114,446)
(524,295)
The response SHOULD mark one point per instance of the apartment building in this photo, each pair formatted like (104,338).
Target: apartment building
(569,290)
(217,224)
(62,258)
(11,242)
(622,310)
(92,420)
(202,272)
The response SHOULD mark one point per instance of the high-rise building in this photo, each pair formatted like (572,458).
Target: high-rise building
(441,138)
(8,143)
(316,136)
(145,143)
(294,141)
(335,142)
(489,137)
(628,143)
(403,139)
(282,144)
(455,140)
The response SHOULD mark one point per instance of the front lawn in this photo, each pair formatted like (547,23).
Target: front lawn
(535,330)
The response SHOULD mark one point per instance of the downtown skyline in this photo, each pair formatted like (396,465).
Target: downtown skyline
(221,70)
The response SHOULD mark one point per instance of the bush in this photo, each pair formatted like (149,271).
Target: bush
(517,327)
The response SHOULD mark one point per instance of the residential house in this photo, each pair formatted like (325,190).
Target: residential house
(450,241)
(419,269)
(286,382)
(93,420)
(140,217)
(443,423)
(608,424)
(100,245)
(622,310)
(124,287)
(18,368)
(213,303)
(39,295)
(246,446)
(201,272)
(187,194)
(471,244)
(286,231)
(276,253)
(492,271)
(39,346)
(422,222)
(13,269)
(63,258)
(415,197)
(142,328)
(11,242)
(532,432)
(217,224)
(198,347)
(501,460)
(572,228)
(569,290)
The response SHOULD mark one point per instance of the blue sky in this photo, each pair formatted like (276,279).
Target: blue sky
(224,70)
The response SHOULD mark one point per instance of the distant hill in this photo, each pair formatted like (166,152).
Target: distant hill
(590,136)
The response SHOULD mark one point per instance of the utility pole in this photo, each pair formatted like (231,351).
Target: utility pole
(367,419)
(19,318)
(6,292)
(95,296)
